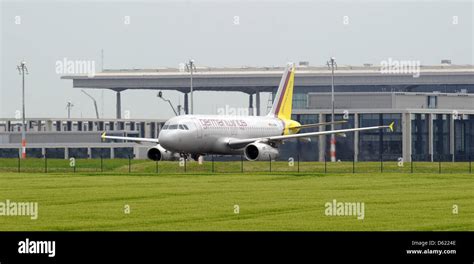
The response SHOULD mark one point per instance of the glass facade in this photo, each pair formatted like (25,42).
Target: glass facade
(344,144)
(377,144)
(464,138)
(441,142)
(428,88)
(300,100)
(55,153)
(9,153)
(419,136)
(123,153)
(307,151)
(100,152)
(78,153)
(34,153)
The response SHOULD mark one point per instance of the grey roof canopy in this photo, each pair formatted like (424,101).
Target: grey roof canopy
(250,80)
(253,80)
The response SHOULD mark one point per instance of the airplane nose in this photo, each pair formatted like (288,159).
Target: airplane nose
(164,138)
(170,139)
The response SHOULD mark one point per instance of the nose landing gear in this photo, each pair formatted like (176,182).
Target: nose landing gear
(196,156)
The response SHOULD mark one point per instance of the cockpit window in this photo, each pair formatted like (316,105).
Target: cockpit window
(175,126)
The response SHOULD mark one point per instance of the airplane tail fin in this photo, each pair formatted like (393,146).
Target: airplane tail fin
(282,103)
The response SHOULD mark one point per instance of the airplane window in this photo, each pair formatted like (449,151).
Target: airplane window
(186,127)
(164,127)
(173,127)
(181,127)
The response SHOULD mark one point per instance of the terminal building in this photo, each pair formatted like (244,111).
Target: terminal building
(433,111)
(75,137)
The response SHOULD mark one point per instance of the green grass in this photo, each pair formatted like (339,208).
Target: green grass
(200,200)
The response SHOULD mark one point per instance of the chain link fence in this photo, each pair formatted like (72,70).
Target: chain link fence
(236,164)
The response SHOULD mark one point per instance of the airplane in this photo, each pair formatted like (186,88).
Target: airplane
(255,137)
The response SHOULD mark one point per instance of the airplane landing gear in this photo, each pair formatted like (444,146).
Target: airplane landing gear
(195,156)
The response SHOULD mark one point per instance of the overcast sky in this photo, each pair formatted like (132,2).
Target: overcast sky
(164,34)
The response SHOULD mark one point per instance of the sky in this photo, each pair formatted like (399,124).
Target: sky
(147,34)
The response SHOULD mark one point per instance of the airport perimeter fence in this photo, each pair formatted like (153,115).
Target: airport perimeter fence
(212,164)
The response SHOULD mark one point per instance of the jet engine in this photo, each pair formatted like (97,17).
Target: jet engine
(260,151)
(158,153)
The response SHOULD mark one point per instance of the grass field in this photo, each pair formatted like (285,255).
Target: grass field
(284,200)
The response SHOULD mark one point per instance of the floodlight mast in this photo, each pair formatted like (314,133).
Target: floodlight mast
(69,105)
(331,64)
(191,67)
(102,90)
(22,69)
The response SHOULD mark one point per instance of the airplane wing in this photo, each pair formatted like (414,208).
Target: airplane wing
(240,143)
(318,124)
(137,139)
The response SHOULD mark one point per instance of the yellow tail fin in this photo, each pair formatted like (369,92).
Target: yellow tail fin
(282,104)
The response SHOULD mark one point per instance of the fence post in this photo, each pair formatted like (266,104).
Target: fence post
(353,163)
(298,163)
(212,163)
(381,163)
(45,164)
(470,167)
(325,164)
(270,160)
(129,164)
(439,163)
(185,163)
(241,164)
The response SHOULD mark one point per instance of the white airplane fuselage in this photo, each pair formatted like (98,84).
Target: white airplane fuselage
(257,137)
(210,133)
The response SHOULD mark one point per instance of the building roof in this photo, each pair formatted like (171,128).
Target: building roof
(252,79)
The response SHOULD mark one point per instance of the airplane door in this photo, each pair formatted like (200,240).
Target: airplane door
(234,131)
(198,129)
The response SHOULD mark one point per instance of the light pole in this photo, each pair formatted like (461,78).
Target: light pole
(160,95)
(191,67)
(95,103)
(332,63)
(102,90)
(69,105)
(22,69)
